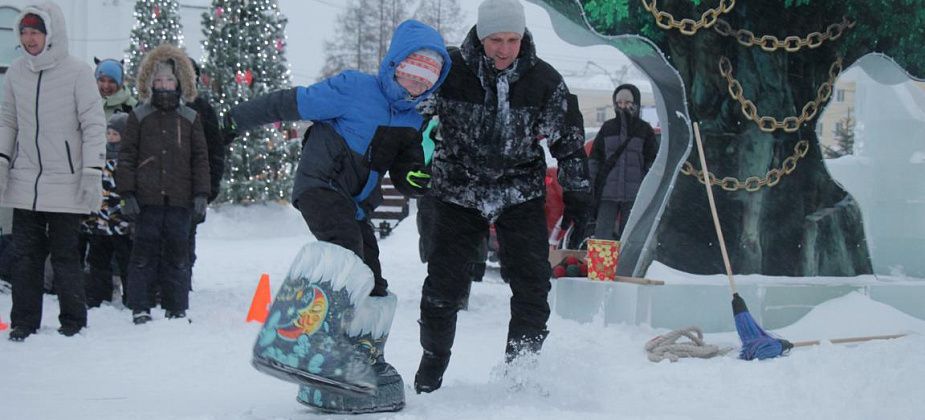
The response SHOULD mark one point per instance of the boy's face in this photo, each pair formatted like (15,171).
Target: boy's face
(165,81)
(32,40)
(113,136)
(414,87)
(107,86)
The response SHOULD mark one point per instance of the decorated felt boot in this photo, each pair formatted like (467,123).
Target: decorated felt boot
(370,330)
(305,339)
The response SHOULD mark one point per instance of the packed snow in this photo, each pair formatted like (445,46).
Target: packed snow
(199,368)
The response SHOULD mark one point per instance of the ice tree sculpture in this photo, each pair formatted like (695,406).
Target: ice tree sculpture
(756,75)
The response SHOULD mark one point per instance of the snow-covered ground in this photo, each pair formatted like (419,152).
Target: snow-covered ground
(200,369)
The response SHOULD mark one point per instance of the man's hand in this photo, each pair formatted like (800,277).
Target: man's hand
(577,205)
(199,209)
(130,208)
(229,128)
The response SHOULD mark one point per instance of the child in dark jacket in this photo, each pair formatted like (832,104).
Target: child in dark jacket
(108,230)
(163,177)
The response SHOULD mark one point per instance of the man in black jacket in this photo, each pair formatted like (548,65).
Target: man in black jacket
(497,103)
(216,143)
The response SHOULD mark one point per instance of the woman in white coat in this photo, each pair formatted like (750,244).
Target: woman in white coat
(52,150)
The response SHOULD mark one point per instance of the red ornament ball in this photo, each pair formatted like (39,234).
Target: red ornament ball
(572,260)
(558,271)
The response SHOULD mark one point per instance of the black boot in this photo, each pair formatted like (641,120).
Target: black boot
(69,330)
(429,377)
(20,333)
(141,317)
(524,344)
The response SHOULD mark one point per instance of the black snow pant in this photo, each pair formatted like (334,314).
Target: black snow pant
(160,256)
(102,250)
(458,233)
(192,254)
(35,234)
(330,216)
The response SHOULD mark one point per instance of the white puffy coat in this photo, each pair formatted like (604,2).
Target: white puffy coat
(52,124)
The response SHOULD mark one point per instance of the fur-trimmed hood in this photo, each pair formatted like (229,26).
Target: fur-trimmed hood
(182,67)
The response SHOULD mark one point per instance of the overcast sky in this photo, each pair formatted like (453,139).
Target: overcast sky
(312,21)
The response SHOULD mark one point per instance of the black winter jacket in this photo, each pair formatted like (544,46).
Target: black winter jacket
(214,141)
(488,156)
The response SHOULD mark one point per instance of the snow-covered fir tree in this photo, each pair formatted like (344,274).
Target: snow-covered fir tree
(244,57)
(362,35)
(445,16)
(156,22)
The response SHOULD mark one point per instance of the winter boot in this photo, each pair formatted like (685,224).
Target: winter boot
(69,330)
(305,339)
(141,317)
(429,377)
(370,329)
(21,333)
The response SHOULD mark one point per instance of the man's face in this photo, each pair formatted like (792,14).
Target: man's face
(626,105)
(502,48)
(107,86)
(32,40)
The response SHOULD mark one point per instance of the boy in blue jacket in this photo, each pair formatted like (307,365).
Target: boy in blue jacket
(364,125)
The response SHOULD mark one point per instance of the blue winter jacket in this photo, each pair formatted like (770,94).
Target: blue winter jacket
(363,125)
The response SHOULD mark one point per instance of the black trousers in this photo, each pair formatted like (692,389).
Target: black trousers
(102,250)
(458,234)
(35,234)
(192,253)
(330,216)
(160,256)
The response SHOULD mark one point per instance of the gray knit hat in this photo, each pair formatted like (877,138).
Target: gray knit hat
(117,122)
(500,16)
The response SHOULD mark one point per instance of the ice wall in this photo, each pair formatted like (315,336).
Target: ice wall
(886,173)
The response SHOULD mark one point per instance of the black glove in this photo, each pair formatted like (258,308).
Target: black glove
(229,128)
(130,208)
(199,209)
(576,208)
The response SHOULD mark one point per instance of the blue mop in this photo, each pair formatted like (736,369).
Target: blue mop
(756,343)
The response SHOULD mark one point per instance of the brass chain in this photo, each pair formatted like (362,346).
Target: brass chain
(791,43)
(788,124)
(753,183)
(688,26)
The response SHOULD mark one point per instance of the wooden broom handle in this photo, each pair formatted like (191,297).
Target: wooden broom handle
(719,231)
(847,340)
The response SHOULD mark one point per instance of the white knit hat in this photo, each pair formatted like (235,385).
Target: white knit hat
(500,16)
(422,65)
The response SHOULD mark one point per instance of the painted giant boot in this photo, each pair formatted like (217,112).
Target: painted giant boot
(370,329)
(306,338)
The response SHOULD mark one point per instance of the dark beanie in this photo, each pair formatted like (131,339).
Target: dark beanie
(34,21)
(118,122)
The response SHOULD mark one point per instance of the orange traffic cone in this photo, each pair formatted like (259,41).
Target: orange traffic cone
(3,326)
(260,305)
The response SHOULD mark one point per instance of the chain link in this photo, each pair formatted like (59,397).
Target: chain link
(753,183)
(769,124)
(688,26)
(791,43)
